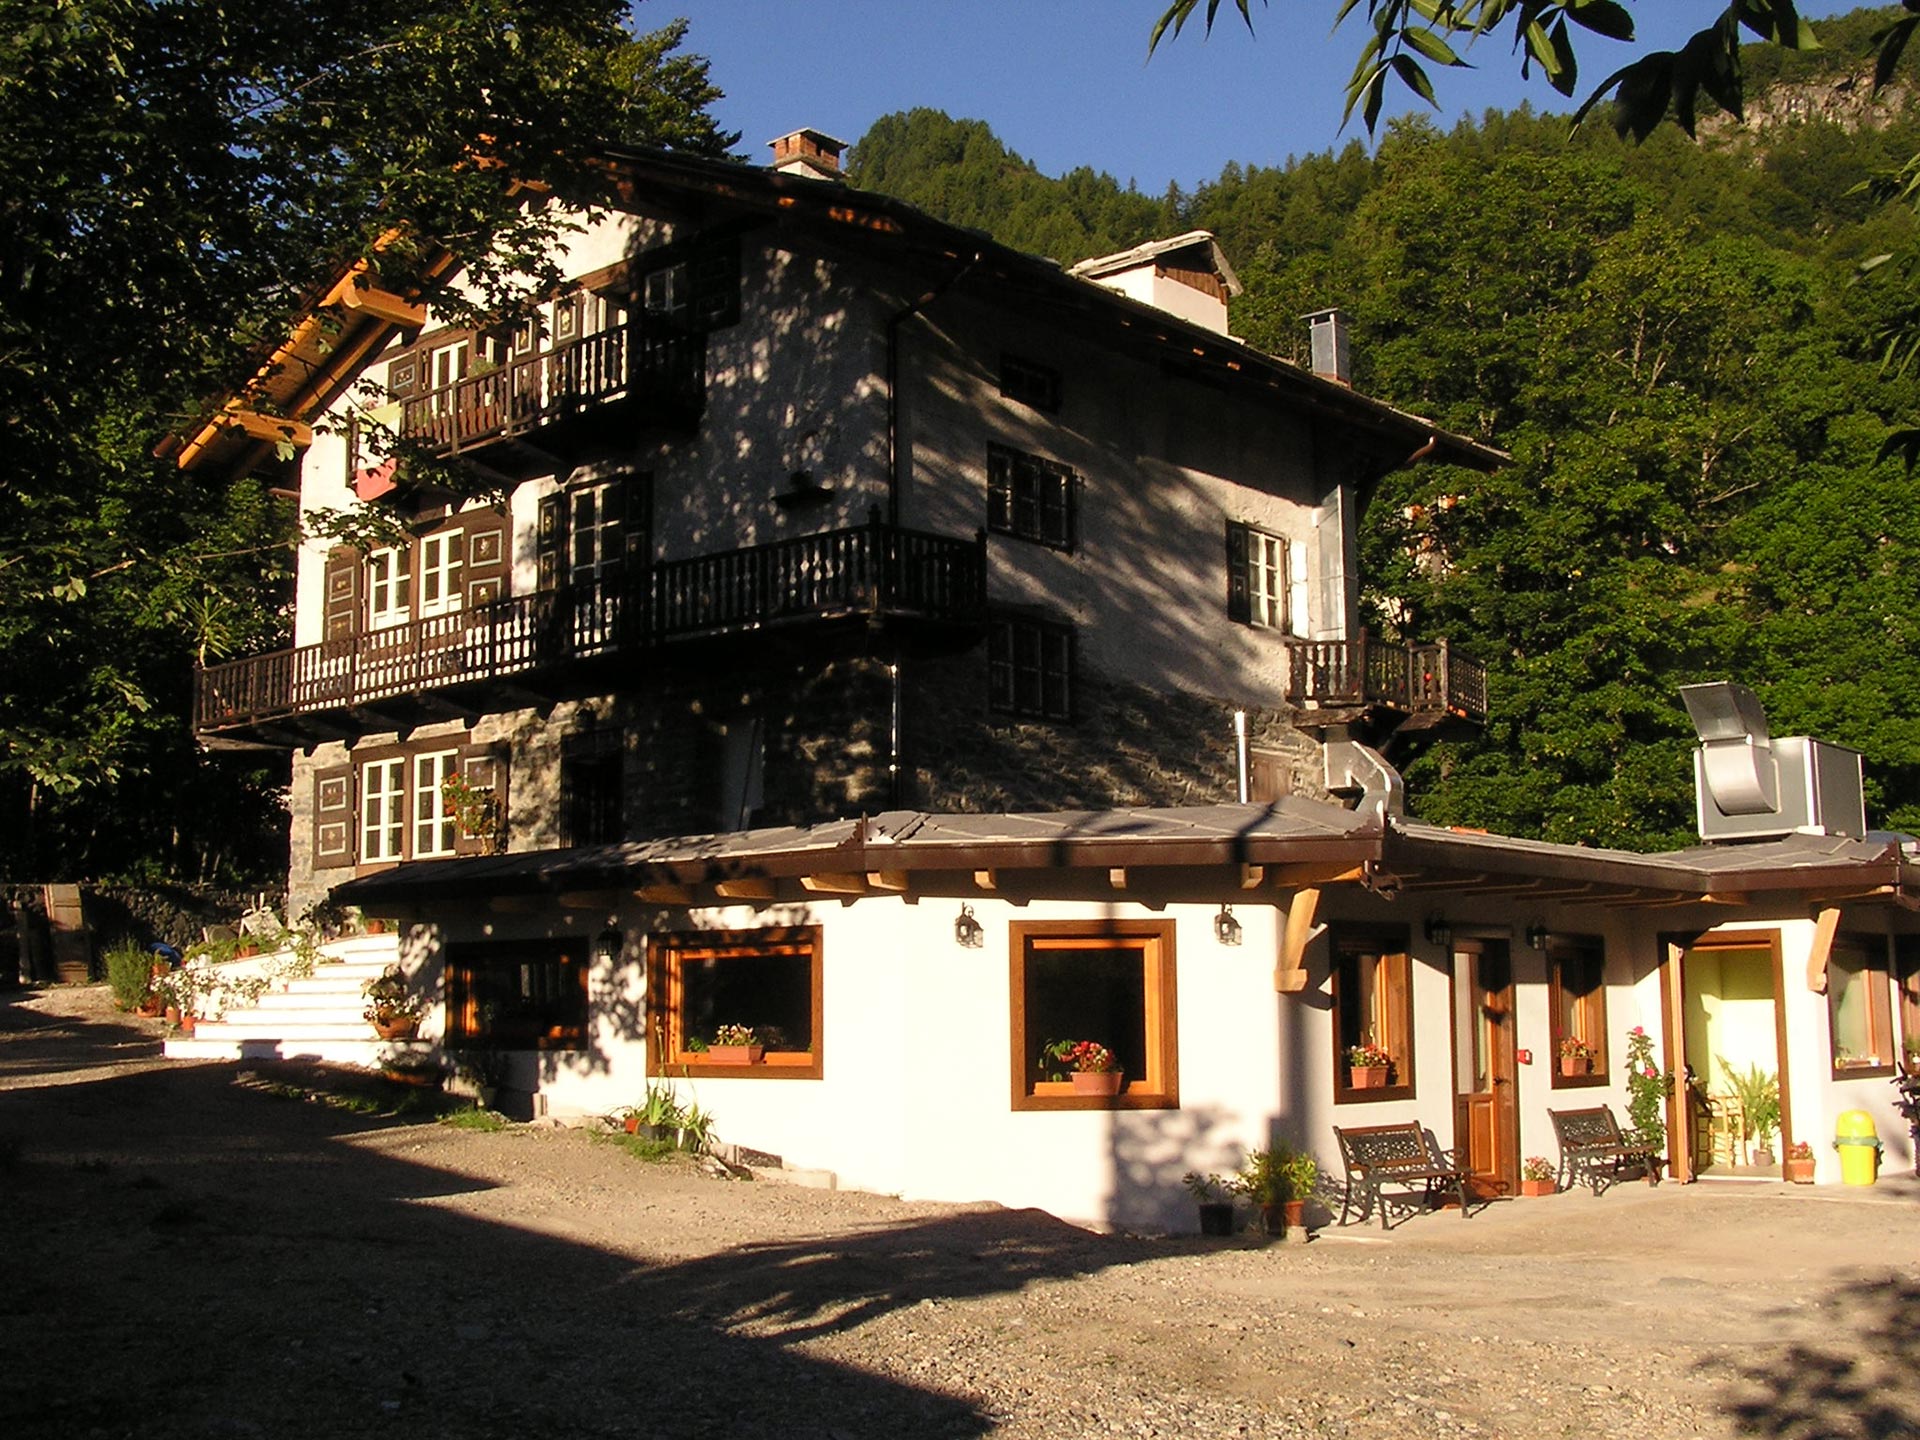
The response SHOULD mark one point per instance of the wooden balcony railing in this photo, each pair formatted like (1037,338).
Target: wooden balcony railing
(1369,673)
(639,361)
(873,569)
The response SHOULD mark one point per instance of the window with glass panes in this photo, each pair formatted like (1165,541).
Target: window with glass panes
(434,827)
(1577,1000)
(441,557)
(383,821)
(1860,1005)
(389,589)
(1030,669)
(1029,498)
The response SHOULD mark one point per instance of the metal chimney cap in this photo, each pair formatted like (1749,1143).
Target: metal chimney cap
(1722,711)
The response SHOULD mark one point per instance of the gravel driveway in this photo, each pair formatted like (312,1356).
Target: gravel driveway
(193,1253)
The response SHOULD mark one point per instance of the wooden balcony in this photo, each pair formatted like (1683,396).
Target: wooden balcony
(525,649)
(639,373)
(1372,681)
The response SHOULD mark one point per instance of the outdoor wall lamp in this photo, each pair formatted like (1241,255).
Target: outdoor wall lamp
(1439,932)
(1226,929)
(607,946)
(968,933)
(1536,936)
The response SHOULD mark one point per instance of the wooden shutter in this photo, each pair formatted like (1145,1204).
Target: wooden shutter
(1269,776)
(344,578)
(1239,600)
(485,767)
(407,376)
(550,541)
(333,827)
(714,275)
(487,554)
(638,526)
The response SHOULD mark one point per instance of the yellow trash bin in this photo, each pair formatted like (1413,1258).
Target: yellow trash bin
(1859,1146)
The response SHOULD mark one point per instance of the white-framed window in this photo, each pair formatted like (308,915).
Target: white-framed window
(1266,580)
(446,367)
(666,291)
(433,821)
(389,589)
(595,543)
(440,561)
(383,825)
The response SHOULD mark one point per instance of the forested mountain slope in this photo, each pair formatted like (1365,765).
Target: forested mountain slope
(1671,342)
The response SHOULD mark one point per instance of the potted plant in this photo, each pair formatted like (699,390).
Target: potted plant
(1279,1180)
(1213,1195)
(1088,1063)
(1910,1054)
(393,1009)
(1799,1164)
(1576,1057)
(414,1068)
(1368,1064)
(735,1045)
(1759,1094)
(1536,1176)
(1302,1175)
(485,1070)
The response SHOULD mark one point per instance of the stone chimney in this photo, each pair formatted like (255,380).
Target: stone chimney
(808,152)
(1328,331)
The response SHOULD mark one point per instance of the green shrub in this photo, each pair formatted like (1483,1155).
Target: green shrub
(129,974)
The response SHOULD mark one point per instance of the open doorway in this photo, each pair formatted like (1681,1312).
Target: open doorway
(1486,1127)
(1732,1056)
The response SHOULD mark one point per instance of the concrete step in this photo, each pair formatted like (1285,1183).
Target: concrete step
(233,1027)
(305,998)
(366,1054)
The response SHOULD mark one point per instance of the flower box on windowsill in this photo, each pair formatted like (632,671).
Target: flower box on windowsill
(1368,1077)
(735,1054)
(1575,1067)
(1097,1082)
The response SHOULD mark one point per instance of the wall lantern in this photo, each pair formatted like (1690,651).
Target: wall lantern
(968,933)
(1439,932)
(1536,936)
(607,946)
(1226,929)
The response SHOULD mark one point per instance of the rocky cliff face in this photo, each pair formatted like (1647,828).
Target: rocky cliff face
(1847,101)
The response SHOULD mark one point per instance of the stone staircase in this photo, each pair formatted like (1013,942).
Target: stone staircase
(313,1018)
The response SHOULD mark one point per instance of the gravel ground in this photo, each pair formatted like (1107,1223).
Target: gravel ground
(195,1253)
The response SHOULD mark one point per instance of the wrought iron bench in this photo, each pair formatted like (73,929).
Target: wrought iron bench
(1594,1152)
(1396,1155)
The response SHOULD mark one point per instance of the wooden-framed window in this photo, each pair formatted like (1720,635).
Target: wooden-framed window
(1577,1006)
(442,557)
(1373,1004)
(1266,579)
(389,588)
(1906,953)
(1030,498)
(446,367)
(383,815)
(517,995)
(766,980)
(1030,668)
(1860,1007)
(594,532)
(1030,383)
(1109,981)
(434,827)
(592,777)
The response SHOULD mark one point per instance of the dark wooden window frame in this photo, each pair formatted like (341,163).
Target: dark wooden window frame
(1877,975)
(1029,383)
(1561,1006)
(1055,641)
(1054,500)
(1386,946)
(464,959)
(666,954)
(1159,1089)
(1906,974)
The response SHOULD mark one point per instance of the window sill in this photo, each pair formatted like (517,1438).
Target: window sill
(774,1065)
(1060,1095)
(1862,1069)
(1347,1095)
(1591,1080)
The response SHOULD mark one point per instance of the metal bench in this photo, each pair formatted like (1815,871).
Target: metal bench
(1399,1156)
(1594,1152)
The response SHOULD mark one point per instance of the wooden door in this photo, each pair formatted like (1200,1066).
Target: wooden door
(1487,1107)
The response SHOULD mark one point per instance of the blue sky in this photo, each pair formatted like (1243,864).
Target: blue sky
(1067,82)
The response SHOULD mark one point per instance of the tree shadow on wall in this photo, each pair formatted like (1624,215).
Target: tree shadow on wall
(1861,1382)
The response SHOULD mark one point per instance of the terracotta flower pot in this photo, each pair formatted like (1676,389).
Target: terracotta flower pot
(397,1027)
(1368,1077)
(735,1054)
(1534,1188)
(1800,1172)
(1573,1066)
(1097,1082)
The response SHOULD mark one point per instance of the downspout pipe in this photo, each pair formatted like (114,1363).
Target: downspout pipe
(894,322)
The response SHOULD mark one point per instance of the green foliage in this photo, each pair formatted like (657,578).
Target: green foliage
(483,1121)
(1277,1175)
(1647,1089)
(129,974)
(177,177)
(1758,1092)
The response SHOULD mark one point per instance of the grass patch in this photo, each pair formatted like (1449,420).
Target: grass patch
(484,1121)
(641,1149)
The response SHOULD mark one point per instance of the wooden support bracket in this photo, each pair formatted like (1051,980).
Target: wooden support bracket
(830,883)
(1300,931)
(664,894)
(1826,925)
(744,889)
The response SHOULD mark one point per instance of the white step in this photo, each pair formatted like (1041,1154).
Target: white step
(366,1054)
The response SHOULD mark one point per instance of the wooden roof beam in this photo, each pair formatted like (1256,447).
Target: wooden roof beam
(274,429)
